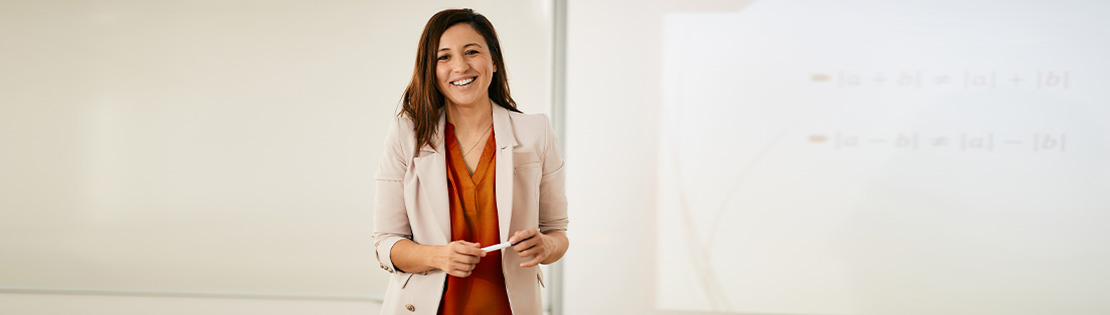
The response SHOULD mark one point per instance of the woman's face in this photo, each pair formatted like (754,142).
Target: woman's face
(465,67)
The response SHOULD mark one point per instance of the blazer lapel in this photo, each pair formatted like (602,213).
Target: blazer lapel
(431,170)
(503,187)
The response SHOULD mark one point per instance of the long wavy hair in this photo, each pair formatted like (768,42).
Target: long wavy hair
(423,101)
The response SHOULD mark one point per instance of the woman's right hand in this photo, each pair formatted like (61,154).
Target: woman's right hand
(458,258)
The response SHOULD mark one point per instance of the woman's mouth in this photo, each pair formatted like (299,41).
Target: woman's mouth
(463,82)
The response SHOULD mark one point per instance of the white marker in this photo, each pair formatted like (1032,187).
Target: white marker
(496,247)
(500,246)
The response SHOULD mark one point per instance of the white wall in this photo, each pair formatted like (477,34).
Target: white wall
(612,101)
(203,148)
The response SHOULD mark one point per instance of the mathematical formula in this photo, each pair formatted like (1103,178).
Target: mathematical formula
(1043,79)
(985,142)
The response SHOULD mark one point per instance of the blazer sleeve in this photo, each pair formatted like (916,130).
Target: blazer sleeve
(553,197)
(391,221)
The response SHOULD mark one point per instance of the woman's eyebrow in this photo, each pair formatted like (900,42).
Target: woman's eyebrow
(464,46)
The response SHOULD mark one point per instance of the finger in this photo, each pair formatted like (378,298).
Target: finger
(461,243)
(460,273)
(528,251)
(454,247)
(464,266)
(470,260)
(522,235)
(465,256)
(533,262)
(537,251)
(462,260)
(522,246)
(469,250)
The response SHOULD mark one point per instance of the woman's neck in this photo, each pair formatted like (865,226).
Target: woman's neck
(470,117)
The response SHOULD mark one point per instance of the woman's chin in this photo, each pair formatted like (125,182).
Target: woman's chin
(467,100)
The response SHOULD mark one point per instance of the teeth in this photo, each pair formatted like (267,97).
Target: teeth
(463,82)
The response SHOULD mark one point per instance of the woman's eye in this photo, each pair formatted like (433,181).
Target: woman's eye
(441,58)
(471,52)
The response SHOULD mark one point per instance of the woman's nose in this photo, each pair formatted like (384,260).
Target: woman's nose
(459,65)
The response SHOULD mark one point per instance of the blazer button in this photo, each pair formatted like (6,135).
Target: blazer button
(410,307)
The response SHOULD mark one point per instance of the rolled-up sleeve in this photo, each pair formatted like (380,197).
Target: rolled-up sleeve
(553,198)
(391,222)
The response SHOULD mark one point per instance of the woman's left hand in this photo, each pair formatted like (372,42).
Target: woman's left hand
(532,243)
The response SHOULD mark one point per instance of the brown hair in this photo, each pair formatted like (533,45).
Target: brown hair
(423,102)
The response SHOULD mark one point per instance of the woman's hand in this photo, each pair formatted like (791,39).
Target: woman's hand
(458,258)
(533,243)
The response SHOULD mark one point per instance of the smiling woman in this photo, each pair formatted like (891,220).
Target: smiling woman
(464,58)
(463,168)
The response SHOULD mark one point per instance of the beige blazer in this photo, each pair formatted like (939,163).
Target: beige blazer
(411,202)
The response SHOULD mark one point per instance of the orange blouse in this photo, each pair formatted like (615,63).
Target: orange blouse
(474,219)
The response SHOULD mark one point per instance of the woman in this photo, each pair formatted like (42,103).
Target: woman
(464,169)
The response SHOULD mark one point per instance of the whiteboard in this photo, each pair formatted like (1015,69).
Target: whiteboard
(888,157)
(838,157)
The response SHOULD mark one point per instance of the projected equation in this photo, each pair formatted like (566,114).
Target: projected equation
(961,79)
(986,142)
